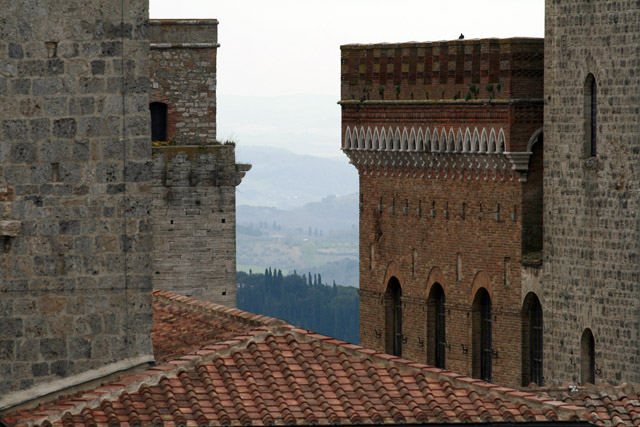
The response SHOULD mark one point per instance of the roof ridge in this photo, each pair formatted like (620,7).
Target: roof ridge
(217,309)
(459,380)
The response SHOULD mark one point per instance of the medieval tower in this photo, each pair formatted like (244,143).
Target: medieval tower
(194,176)
(75,194)
(592,191)
(81,190)
(447,141)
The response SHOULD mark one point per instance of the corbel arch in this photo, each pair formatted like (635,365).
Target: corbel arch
(443,141)
(533,139)
(376,139)
(347,138)
(451,141)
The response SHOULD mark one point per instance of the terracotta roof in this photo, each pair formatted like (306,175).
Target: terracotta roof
(274,373)
(606,404)
(182,325)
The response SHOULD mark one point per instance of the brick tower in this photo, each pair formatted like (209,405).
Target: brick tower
(592,191)
(447,141)
(194,176)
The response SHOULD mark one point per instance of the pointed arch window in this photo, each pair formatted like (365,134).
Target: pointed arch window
(590,115)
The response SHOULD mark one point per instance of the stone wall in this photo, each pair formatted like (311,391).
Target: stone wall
(592,228)
(194,226)
(183,76)
(194,204)
(75,185)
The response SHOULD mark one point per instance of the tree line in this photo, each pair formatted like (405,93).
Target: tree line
(302,300)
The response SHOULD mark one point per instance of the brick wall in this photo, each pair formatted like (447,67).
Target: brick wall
(424,185)
(483,245)
(75,177)
(592,230)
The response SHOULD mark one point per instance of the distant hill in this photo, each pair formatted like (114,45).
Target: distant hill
(332,213)
(282,179)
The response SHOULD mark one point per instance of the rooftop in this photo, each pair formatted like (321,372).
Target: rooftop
(218,365)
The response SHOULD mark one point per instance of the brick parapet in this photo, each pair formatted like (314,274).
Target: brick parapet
(443,70)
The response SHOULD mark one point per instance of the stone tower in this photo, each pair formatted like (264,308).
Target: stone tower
(75,193)
(592,191)
(447,141)
(194,176)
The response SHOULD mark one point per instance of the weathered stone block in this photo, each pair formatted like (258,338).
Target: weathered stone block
(48,86)
(15,129)
(65,128)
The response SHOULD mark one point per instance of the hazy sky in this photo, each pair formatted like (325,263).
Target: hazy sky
(279,48)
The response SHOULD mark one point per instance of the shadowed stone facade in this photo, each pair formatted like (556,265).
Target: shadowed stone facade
(592,202)
(75,193)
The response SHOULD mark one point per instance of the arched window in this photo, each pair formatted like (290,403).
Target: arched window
(158,121)
(587,358)
(393,318)
(590,115)
(482,338)
(436,327)
(532,341)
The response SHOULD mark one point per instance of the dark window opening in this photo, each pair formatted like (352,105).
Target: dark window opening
(158,121)
(393,310)
(587,358)
(436,327)
(591,115)
(482,338)
(532,341)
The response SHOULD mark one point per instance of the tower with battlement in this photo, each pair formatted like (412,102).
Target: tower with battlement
(447,141)
(194,176)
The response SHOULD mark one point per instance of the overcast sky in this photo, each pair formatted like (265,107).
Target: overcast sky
(278,48)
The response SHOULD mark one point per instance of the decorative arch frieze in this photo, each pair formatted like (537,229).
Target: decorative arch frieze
(440,152)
